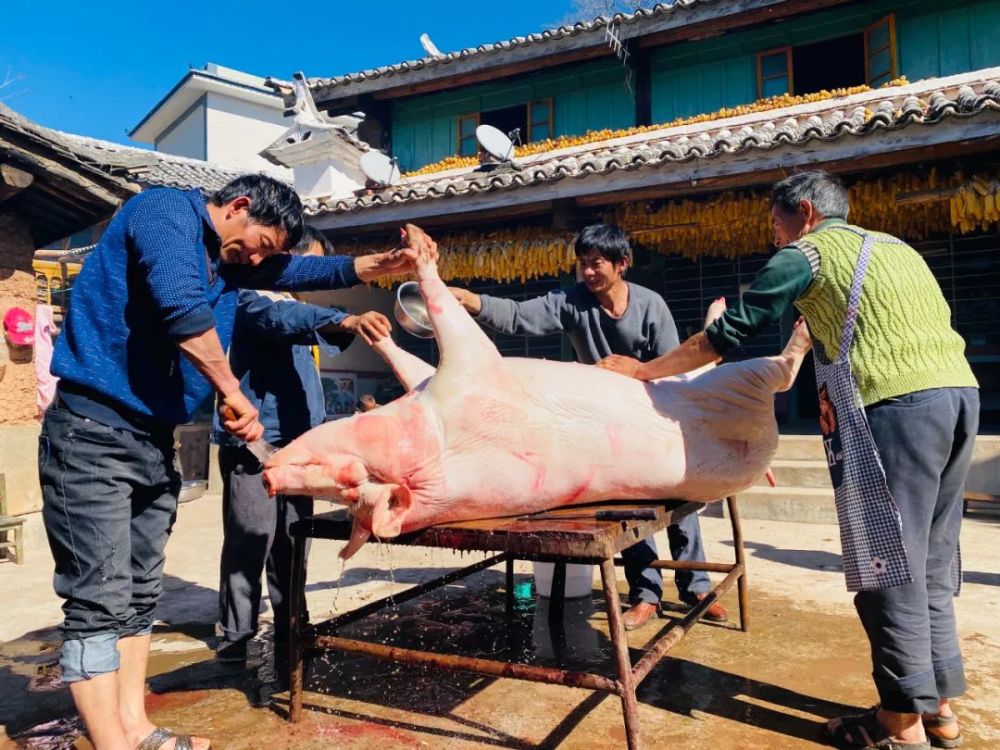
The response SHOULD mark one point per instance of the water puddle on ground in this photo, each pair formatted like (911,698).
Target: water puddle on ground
(467,619)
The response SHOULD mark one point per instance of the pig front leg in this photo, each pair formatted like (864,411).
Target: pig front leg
(409,368)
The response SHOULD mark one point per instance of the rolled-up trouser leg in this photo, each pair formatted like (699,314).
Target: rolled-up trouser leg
(920,443)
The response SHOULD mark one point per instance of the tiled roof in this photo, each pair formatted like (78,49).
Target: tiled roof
(139,166)
(150,168)
(899,108)
(325,85)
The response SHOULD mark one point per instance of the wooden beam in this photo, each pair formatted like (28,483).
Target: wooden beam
(925,196)
(492,74)
(719,26)
(766,177)
(439,221)
(13,180)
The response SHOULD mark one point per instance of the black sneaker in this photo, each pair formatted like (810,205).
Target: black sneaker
(231,652)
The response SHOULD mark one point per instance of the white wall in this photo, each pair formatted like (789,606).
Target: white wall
(187,136)
(238,131)
(358,357)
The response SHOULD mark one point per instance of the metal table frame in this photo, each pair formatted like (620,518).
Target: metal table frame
(523,540)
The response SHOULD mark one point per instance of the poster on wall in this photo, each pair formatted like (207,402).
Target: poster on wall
(340,393)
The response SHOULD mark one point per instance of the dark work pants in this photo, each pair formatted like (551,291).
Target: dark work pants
(646,584)
(109,500)
(925,440)
(256,534)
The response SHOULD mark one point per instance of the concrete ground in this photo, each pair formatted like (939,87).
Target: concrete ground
(804,660)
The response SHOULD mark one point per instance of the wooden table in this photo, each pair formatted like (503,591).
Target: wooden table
(568,535)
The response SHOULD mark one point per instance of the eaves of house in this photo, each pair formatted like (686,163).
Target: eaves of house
(935,118)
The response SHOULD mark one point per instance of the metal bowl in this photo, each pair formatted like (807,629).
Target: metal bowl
(411,311)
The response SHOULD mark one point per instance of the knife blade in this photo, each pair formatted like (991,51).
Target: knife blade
(262,449)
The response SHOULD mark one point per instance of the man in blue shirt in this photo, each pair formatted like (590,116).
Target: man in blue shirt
(272,356)
(142,346)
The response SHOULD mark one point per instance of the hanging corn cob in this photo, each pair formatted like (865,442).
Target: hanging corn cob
(729,225)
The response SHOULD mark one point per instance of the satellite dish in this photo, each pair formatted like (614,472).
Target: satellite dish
(496,143)
(379,168)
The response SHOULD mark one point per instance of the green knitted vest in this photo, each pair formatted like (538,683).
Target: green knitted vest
(903,340)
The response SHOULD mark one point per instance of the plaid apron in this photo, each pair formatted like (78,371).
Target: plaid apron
(871,534)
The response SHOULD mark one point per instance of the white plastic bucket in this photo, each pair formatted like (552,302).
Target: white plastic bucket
(579,579)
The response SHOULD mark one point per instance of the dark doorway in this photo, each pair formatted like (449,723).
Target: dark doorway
(831,64)
(507,119)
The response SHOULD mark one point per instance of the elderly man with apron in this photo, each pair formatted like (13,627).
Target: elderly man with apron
(899,411)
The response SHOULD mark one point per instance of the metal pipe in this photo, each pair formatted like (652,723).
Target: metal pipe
(446,662)
(296,667)
(659,649)
(619,642)
(708,567)
(405,596)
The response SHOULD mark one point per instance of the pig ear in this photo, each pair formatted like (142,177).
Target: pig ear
(388,515)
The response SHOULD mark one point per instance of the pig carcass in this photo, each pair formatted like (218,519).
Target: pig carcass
(484,436)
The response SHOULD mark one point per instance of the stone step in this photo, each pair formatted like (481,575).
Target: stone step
(800,448)
(797,473)
(802,504)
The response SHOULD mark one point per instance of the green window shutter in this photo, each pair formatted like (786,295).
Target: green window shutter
(774,72)
(880,51)
(540,120)
(467,144)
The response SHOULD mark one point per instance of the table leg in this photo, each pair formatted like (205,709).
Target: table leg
(296,666)
(509,599)
(557,596)
(741,582)
(616,629)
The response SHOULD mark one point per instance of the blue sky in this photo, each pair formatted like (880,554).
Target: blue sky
(96,68)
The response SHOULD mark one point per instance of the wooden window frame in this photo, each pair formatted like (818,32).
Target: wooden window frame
(550,121)
(789,70)
(458,132)
(893,71)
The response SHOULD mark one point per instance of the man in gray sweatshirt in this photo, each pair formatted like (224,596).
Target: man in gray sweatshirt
(604,315)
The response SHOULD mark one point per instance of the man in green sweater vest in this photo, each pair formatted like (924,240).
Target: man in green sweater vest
(921,403)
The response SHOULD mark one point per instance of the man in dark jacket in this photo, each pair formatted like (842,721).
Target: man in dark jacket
(272,356)
(142,347)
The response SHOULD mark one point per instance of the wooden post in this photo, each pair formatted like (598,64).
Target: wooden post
(13,181)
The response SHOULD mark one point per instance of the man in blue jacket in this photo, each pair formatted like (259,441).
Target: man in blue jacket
(272,356)
(142,346)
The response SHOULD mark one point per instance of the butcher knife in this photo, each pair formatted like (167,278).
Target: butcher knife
(262,449)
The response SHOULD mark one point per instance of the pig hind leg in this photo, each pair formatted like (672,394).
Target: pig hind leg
(794,353)
(464,347)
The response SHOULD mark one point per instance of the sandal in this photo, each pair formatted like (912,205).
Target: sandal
(934,722)
(863,731)
(160,735)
